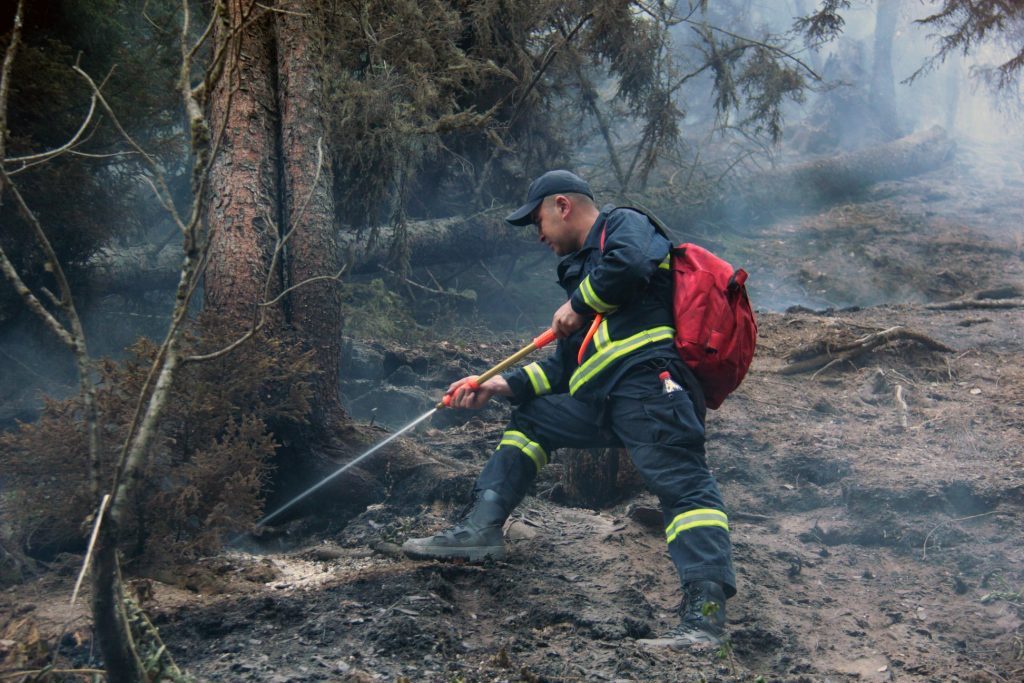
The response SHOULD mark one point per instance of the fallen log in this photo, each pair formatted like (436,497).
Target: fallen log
(462,239)
(1003,296)
(134,269)
(443,240)
(822,181)
(846,352)
(961,304)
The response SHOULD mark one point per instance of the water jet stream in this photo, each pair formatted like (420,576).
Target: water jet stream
(355,462)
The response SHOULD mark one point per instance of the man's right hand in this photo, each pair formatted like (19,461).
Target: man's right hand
(566,321)
(463,396)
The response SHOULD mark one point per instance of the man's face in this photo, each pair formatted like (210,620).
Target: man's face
(552,227)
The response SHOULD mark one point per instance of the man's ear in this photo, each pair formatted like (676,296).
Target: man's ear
(564,205)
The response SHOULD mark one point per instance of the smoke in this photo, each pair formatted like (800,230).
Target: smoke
(913,240)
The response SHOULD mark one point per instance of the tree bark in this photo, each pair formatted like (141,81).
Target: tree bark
(243,211)
(314,310)
(111,629)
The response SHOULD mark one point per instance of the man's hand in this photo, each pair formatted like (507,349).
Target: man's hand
(463,396)
(566,321)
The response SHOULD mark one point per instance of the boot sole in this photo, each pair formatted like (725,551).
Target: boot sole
(470,554)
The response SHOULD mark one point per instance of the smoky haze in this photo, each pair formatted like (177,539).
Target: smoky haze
(808,261)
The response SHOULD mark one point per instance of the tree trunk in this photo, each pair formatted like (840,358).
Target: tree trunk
(14,565)
(243,211)
(133,270)
(111,629)
(883,83)
(313,310)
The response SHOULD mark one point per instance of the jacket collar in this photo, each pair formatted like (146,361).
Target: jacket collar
(593,240)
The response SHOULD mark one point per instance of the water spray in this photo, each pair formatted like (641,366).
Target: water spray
(540,341)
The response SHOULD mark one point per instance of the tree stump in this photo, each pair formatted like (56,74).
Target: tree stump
(598,477)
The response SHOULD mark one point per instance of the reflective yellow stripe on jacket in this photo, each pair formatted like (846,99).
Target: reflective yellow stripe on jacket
(610,351)
(531,448)
(538,380)
(696,518)
(602,338)
(591,298)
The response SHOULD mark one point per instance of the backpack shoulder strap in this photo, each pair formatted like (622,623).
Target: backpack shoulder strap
(655,221)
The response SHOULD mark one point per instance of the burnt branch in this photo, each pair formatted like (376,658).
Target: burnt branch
(961,304)
(842,353)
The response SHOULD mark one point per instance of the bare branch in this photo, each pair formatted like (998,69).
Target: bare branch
(89,155)
(53,265)
(278,10)
(961,304)
(152,396)
(758,43)
(31,300)
(165,194)
(5,74)
(44,156)
(858,347)
(160,198)
(319,278)
(145,15)
(207,32)
(92,544)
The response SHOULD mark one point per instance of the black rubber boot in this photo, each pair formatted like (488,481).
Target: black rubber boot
(702,619)
(476,537)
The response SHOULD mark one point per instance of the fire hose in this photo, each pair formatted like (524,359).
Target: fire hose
(474,383)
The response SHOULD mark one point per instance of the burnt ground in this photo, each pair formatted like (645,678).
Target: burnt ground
(872,541)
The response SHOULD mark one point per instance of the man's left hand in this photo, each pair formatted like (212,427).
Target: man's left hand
(566,321)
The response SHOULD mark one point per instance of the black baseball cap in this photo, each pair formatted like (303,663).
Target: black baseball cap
(552,182)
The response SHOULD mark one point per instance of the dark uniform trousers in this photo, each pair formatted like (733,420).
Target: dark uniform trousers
(665,440)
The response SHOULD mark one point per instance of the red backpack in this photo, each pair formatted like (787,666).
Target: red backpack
(715,328)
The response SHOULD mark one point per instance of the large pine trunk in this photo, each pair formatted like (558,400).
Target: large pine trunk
(269,184)
(243,211)
(314,310)
(268,181)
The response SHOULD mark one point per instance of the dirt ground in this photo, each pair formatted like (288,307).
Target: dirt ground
(876,503)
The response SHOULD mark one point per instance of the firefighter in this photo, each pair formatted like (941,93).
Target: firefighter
(616,394)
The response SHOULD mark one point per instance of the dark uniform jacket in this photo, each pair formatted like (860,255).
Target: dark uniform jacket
(630,283)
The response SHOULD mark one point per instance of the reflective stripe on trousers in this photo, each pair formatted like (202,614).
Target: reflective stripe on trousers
(665,441)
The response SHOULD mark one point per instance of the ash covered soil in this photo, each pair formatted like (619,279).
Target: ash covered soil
(876,502)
